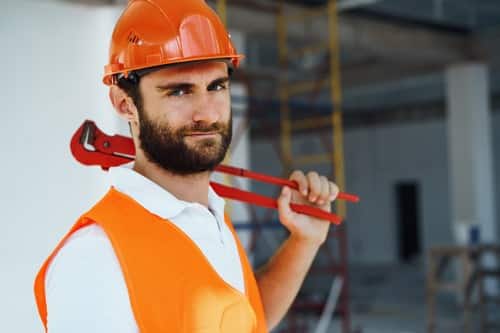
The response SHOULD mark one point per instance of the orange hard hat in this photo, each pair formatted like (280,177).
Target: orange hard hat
(152,33)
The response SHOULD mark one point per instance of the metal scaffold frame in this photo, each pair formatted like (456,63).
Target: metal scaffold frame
(337,265)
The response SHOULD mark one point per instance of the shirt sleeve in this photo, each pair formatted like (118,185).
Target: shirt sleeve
(85,287)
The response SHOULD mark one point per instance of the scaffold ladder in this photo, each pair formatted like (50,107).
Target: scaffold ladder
(287,125)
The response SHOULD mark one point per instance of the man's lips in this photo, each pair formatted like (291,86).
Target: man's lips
(202,134)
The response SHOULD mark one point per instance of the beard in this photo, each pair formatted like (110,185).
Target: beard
(167,148)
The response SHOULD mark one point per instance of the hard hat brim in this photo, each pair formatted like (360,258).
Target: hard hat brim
(110,72)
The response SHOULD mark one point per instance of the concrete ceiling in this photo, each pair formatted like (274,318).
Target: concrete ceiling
(467,15)
(392,48)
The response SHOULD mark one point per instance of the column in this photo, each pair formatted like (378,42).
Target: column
(470,153)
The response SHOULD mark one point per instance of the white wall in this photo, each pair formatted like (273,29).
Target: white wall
(376,159)
(52,60)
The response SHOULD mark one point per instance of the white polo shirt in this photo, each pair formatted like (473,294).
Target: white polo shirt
(85,287)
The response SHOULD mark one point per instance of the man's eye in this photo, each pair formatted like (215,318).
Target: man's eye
(218,86)
(177,92)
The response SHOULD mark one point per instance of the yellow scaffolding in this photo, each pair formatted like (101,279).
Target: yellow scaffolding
(221,11)
(288,89)
(287,125)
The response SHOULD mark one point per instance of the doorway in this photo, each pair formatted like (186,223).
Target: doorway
(408,220)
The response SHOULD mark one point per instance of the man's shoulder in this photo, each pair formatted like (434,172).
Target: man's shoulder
(85,278)
(113,200)
(87,249)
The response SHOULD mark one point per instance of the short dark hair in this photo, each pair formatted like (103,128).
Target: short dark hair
(130,85)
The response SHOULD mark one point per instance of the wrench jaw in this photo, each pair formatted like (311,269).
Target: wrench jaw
(79,143)
(87,137)
(84,149)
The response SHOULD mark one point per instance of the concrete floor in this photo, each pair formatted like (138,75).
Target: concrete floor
(391,299)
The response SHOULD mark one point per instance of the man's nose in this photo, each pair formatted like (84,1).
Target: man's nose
(207,109)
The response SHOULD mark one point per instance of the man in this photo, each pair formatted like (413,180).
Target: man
(157,254)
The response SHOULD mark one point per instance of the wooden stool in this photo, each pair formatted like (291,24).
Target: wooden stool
(470,274)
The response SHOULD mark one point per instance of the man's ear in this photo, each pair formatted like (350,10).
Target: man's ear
(123,104)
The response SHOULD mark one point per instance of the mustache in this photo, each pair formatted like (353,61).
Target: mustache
(204,127)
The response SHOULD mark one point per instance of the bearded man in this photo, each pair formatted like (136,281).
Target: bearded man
(157,254)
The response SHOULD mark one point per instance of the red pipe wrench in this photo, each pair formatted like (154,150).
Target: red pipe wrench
(90,146)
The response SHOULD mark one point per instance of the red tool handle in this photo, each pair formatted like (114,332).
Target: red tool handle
(275,180)
(263,201)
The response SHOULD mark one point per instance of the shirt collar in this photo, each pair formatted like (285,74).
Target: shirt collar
(153,197)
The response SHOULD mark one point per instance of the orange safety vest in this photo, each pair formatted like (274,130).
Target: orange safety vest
(171,285)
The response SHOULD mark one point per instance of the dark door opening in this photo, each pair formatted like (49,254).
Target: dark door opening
(408,220)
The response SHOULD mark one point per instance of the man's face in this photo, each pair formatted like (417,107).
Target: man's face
(185,118)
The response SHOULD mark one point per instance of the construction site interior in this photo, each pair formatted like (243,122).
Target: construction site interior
(395,100)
